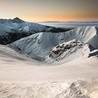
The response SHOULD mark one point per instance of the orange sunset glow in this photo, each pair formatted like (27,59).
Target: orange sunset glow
(49,10)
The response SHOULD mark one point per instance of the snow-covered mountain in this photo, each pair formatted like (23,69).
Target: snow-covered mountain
(14,29)
(40,45)
(40,40)
(75,51)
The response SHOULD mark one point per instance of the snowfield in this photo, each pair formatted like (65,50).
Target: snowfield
(22,77)
(17,67)
(48,64)
(76,89)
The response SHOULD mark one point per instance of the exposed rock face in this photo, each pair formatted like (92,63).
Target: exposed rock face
(60,49)
(17,20)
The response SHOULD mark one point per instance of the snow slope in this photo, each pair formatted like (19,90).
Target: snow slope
(22,77)
(38,46)
(17,67)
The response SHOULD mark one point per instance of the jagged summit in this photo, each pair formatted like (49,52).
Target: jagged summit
(18,20)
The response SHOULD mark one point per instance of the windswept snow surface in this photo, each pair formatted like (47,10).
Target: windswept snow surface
(64,89)
(22,77)
(17,67)
(39,46)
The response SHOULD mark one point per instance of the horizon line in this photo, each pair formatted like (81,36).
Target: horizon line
(69,20)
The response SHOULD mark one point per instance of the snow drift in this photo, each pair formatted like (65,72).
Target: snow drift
(65,89)
(39,46)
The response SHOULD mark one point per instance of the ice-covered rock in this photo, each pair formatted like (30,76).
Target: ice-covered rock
(68,52)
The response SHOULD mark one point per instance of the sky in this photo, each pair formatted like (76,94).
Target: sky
(49,10)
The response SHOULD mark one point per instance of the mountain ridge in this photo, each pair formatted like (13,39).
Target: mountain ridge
(38,46)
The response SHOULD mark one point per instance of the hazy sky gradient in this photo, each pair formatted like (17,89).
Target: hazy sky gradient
(49,10)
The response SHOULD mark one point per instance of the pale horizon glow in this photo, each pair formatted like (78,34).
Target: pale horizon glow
(49,10)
